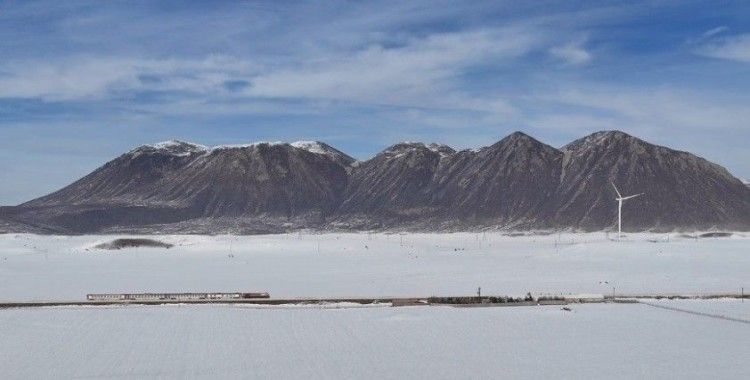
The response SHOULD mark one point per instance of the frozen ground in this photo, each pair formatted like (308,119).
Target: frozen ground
(605,341)
(342,265)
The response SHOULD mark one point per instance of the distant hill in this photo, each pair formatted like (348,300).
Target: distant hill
(516,183)
(681,189)
(509,184)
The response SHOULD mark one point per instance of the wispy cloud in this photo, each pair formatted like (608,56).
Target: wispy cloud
(80,78)
(423,72)
(572,52)
(702,122)
(714,31)
(364,74)
(736,48)
(657,108)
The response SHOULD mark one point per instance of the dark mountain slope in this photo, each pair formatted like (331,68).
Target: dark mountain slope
(395,183)
(263,178)
(509,183)
(680,189)
(517,183)
(175,181)
(130,179)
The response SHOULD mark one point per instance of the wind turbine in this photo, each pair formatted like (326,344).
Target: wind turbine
(619,200)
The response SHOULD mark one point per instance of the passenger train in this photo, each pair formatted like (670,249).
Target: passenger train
(173,296)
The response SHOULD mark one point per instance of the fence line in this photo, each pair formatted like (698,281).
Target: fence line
(699,313)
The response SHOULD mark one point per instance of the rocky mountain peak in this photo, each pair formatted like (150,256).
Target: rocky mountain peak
(605,139)
(518,135)
(443,150)
(318,147)
(517,139)
(407,147)
(171,147)
(247,146)
(403,147)
(518,182)
(520,144)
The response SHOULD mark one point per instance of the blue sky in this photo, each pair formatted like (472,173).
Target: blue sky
(82,82)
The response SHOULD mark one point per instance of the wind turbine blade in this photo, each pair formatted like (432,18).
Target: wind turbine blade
(616,191)
(632,196)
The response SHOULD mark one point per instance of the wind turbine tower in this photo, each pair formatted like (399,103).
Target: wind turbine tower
(619,200)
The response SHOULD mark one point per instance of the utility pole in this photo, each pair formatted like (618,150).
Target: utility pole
(479,292)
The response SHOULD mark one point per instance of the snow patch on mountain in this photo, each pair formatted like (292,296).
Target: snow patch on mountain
(169,144)
(317,147)
(174,147)
(312,147)
(443,150)
(246,145)
(182,148)
(407,146)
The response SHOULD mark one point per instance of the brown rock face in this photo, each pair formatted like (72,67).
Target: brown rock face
(172,182)
(517,183)
(681,189)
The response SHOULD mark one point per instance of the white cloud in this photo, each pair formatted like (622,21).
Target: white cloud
(715,31)
(51,81)
(86,78)
(736,48)
(660,108)
(575,123)
(422,73)
(572,53)
(707,123)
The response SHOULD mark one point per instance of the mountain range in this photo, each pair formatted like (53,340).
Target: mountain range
(518,183)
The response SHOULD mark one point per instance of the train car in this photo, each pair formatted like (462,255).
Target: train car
(125,297)
(255,295)
(103,297)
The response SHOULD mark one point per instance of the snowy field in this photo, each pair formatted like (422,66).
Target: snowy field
(593,341)
(347,265)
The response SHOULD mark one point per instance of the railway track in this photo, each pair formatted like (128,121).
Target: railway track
(395,301)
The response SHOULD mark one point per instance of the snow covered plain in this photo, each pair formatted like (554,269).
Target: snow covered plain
(361,265)
(593,341)
(244,341)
